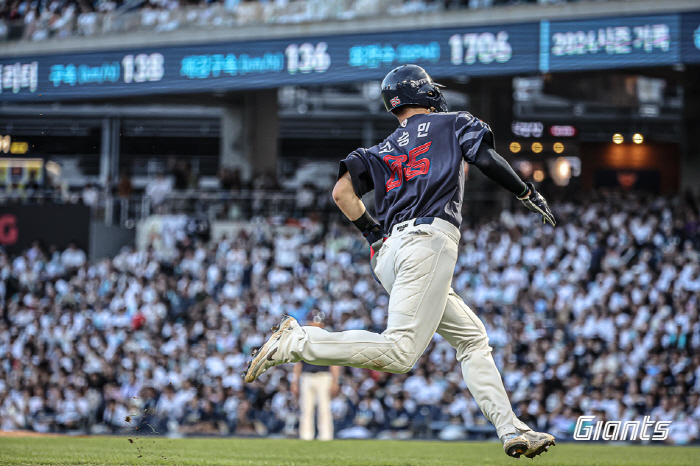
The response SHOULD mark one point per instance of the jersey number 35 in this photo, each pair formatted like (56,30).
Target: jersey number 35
(403,167)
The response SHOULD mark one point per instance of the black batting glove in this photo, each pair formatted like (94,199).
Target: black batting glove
(370,228)
(374,233)
(537,204)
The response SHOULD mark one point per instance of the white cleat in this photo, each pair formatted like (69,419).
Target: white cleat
(263,356)
(528,443)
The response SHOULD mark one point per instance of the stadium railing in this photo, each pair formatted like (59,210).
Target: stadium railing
(214,205)
(223,15)
(229,14)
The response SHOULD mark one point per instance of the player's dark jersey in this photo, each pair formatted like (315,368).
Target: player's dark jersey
(418,171)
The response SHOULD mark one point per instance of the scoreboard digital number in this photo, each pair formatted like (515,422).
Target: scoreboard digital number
(307,58)
(143,67)
(485,48)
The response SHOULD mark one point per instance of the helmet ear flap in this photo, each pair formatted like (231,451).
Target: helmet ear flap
(438,99)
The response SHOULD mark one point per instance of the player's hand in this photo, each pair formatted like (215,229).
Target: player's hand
(537,204)
(374,233)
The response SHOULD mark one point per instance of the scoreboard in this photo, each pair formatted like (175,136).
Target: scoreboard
(524,48)
(611,43)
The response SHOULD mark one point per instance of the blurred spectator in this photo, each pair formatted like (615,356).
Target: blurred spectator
(159,188)
(124,186)
(598,316)
(315,386)
(72,257)
(90,195)
(64,18)
(305,199)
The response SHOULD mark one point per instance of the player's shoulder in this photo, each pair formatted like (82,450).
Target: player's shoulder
(464,115)
(461,116)
(465,119)
(439,116)
(450,115)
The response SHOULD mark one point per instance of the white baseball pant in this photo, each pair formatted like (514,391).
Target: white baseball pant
(415,265)
(315,396)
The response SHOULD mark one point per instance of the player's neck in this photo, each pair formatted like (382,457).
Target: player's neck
(410,112)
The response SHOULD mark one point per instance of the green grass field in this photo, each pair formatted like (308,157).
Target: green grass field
(257,452)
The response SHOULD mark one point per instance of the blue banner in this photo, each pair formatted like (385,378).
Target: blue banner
(477,51)
(511,49)
(605,43)
(690,38)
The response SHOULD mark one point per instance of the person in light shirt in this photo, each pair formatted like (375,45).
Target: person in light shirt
(73,258)
(159,188)
(315,386)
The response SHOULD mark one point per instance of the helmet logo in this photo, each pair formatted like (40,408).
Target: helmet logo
(395,101)
(419,82)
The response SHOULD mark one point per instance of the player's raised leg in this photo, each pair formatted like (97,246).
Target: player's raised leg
(463,329)
(424,259)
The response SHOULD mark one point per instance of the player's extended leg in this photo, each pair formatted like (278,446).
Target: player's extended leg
(416,268)
(463,329)
(467,334)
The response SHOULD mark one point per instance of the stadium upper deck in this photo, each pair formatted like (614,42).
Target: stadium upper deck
(30,27)
(226,51)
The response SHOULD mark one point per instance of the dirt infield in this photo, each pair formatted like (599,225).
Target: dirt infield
(25,434)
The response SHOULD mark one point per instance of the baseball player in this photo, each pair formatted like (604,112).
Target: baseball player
(417,175)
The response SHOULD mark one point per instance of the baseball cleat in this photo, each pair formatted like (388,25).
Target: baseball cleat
(263,356)
(528,443)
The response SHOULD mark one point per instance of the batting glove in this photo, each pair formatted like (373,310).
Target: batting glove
(370,228)
(374,233)
(537,204)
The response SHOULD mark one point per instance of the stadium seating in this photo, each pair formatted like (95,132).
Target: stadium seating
(598,316)
(32,20)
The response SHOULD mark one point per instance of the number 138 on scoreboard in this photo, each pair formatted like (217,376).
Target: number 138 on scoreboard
(143,67)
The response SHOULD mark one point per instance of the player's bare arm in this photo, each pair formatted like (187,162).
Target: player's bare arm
(355,210)
(346,199)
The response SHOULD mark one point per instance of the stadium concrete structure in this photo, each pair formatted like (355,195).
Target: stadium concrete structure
(254,126)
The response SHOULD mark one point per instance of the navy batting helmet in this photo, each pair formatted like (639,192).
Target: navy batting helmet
(411,85)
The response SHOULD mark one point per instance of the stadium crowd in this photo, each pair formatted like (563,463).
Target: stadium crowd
(598,316)
(46,19)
